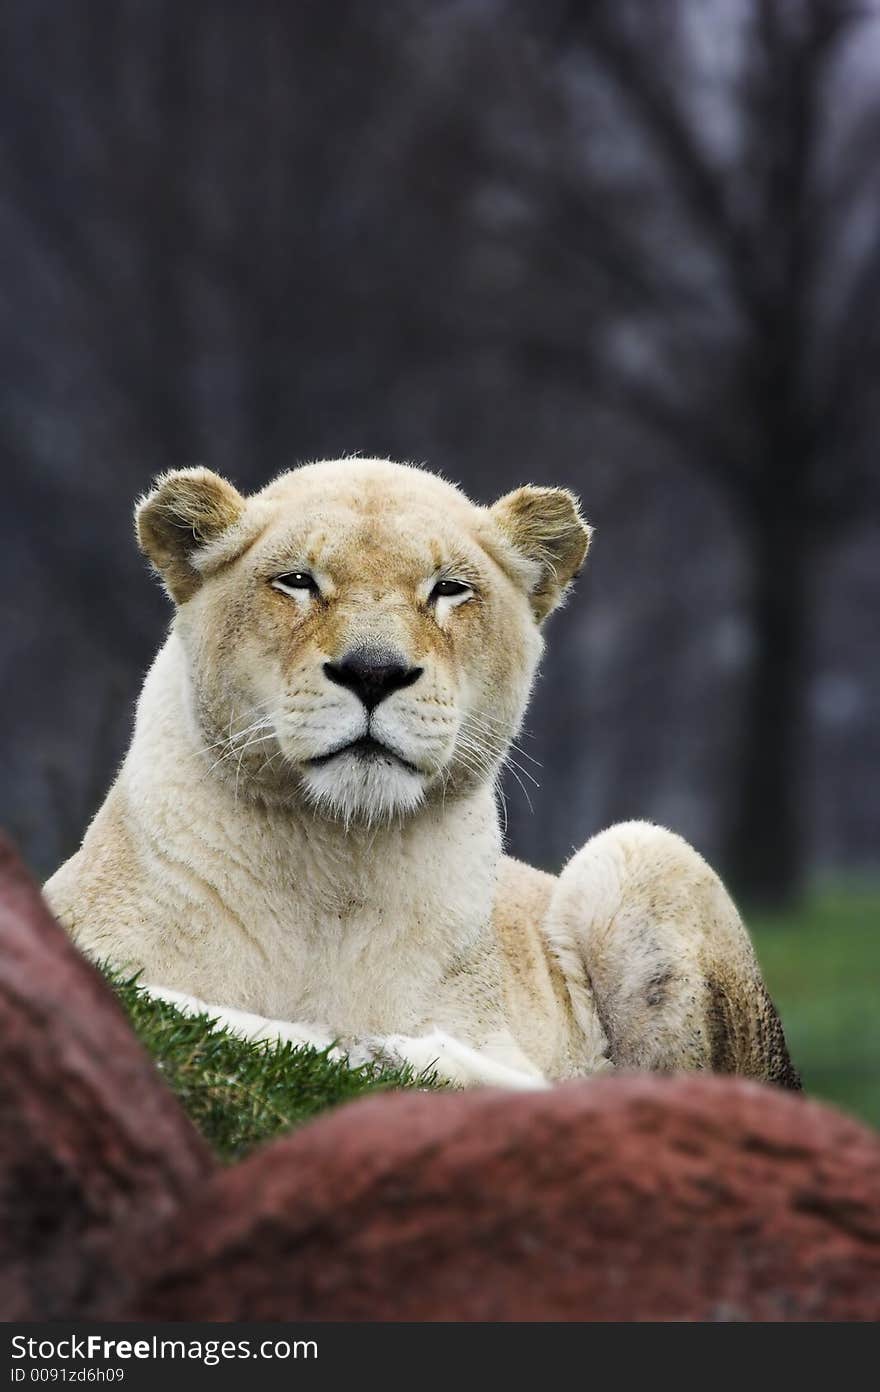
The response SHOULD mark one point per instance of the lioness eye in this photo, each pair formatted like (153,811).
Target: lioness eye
(449,588)
(295,580)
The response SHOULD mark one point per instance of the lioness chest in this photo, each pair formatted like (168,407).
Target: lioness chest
(252,914)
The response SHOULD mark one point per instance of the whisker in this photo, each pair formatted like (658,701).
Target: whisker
(524,789)
(479,721)
(511,763)
(236,748)
(507,758)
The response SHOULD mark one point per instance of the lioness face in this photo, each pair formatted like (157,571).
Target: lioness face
(360,636)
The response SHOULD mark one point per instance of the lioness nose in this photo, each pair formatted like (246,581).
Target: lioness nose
(372,674)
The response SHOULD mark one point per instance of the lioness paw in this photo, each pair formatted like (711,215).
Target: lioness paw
(456,1063)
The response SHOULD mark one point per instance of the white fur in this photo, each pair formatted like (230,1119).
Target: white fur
(375,790)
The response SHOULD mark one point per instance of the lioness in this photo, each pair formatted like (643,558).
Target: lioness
(304,838)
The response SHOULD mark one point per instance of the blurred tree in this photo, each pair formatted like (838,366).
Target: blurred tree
(627,246)
(731,212)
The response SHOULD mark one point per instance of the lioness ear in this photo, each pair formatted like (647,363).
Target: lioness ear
(186,510)
(545,528)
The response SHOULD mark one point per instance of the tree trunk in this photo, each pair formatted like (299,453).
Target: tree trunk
(765,843)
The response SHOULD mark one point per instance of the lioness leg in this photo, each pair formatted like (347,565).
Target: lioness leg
(653,947)
(500,1064)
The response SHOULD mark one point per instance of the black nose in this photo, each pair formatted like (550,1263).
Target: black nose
(371,674)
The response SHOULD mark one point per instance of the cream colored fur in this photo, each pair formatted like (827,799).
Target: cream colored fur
(250,863)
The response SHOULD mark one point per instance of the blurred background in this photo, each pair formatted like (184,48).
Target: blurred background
(627,247)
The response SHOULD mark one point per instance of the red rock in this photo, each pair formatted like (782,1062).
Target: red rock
(623,1198)
(93,1147)
(638,1197)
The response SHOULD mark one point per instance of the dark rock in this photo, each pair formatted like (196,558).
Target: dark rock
(94,1149)
(639,1197)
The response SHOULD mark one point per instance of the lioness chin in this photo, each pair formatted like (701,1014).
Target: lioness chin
(304,836)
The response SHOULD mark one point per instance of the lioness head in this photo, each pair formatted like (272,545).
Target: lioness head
(358,635)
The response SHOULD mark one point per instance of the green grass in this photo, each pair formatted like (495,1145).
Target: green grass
(822,966)
(240,1093)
